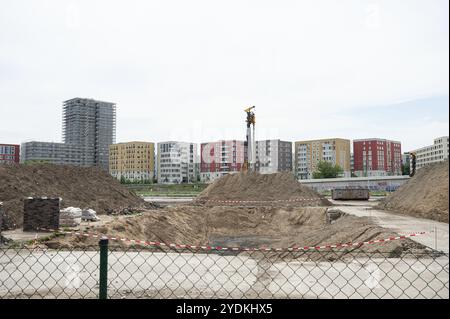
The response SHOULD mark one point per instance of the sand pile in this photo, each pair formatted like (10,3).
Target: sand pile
(259,187)
(77,186)
(246,227)
(425,195)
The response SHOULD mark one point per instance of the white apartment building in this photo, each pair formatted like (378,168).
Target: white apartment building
(438,152)
(177,162)
(273,156)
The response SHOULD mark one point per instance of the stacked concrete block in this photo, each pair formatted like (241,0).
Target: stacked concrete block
(41,213)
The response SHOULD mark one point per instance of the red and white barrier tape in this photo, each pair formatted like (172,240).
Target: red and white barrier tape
(220,248)
(258,201)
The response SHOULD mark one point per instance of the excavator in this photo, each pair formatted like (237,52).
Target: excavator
(249,144)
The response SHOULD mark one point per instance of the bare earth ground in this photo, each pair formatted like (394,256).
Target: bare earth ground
(245,227)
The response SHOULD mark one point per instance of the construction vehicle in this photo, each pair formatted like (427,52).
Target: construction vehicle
(249,144)
(412,164)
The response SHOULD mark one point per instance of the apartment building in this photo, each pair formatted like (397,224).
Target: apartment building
(53,153)
(406,158)
(220,158)
(273,156)
(377,157)
(89,128)
(309,153)
(9,153)
(177,162)
(438,152)
(90,124)
(132,161)
(352,164)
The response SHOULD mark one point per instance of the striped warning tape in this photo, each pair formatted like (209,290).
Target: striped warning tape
(220,248)
(258,201)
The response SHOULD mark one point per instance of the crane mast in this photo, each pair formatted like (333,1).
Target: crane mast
(250,144)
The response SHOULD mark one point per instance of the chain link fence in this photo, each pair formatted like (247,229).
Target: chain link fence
(163,272)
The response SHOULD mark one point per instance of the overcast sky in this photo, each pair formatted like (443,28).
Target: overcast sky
(185,70)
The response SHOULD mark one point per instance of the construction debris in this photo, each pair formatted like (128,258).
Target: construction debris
(425,195)
(90,215)
(333,214)
(70,217)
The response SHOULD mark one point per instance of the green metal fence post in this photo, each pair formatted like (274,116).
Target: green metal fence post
(103,281)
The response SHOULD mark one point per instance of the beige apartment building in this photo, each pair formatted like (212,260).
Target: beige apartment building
(132,161)
(309,153)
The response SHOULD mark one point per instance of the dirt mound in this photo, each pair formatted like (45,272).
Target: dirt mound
(425,195)
(247,227)
(259,187)
(84,187)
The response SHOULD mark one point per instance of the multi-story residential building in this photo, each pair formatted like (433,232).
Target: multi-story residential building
(177,162)
(377,157)
(438,152)
(53,153)
(220,158)
(89,128)
(352,164)
(132,161)
(9,153)
(406,158)
(308,154)
(273,156)
(91,124)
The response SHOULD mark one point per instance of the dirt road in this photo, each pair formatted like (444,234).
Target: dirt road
(436,236)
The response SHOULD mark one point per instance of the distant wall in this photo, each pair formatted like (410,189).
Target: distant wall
(378,183)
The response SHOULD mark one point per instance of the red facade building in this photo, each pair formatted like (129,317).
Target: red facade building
(220,158)
(377,157)
(9,153)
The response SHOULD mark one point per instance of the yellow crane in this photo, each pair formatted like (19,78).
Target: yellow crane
(249,144)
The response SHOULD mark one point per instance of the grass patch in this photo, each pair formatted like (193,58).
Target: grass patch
(168,190)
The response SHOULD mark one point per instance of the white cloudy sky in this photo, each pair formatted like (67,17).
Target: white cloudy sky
(184,70)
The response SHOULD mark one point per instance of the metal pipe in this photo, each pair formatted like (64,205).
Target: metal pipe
(103,280)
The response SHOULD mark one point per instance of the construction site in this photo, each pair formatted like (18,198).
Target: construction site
(247,235)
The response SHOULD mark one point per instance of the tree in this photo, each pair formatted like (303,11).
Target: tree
(327,170)
(405,169)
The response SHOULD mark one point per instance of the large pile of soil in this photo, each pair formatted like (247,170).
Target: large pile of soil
(246,227)
(259,187)
(425,195)
(78,186)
